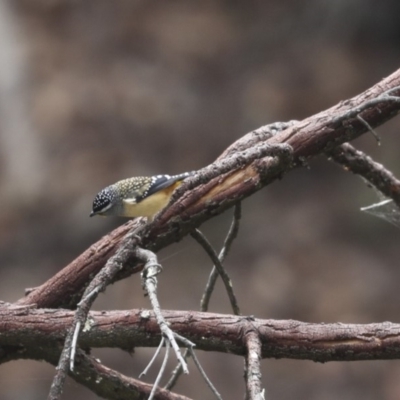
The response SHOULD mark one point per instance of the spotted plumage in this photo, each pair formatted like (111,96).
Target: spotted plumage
(138,196)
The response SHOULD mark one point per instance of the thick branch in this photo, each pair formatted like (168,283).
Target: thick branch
(96,285)
(65,289)
(27,332)
(231,181)
(105,382)
(111,384)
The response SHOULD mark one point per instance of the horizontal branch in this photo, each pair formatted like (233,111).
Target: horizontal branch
(27,330)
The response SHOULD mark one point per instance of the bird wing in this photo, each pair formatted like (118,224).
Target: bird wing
(164,181)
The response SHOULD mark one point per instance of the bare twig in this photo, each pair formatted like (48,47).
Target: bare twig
(252,367)
(376,174)
(202,240)
(178,370)
(204,375)
(233,231)
(156,353)
(196,361)
(149,277)
(176,373)
(73,345)
(161,372)
(355,111)
(369,127)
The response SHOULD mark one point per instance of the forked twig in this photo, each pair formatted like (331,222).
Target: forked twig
(149,278)
(177,372)
(161,371)
(232,233)
(202,240)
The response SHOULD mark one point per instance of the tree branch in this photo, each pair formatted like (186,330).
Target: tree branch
(244,168)
(27,332)
(376,174)
(239,172)
(252,367)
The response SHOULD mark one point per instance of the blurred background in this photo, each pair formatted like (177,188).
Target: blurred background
(95,91)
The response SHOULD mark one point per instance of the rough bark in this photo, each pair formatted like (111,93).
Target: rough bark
(205,199)
(29,332)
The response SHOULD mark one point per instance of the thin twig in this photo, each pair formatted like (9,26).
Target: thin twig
(78,325)
(202,240)
(73,345)
(233,231)
(204,375)
(176,373)
(149,277)
(369,127)
(156,353)
(353,112)
(161,372)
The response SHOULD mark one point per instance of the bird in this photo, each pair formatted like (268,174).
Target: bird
(141,196)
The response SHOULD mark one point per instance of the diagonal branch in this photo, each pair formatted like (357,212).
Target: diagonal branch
(244,168)
(376,174)
(97,285)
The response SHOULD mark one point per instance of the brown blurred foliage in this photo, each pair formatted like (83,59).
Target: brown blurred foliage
(95,91)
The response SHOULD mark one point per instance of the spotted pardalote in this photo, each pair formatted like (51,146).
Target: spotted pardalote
(137,197)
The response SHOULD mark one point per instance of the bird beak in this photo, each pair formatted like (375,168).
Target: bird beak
(92,214)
